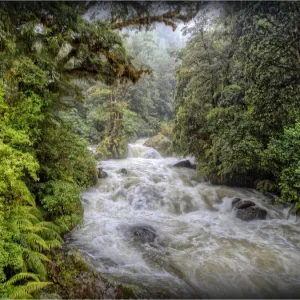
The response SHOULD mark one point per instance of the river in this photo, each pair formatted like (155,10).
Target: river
(202,250)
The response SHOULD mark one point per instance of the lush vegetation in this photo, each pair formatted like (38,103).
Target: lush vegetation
(66,80)
(50,52)
(43,164)
(238,97)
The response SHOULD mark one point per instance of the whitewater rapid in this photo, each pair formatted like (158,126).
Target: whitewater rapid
(202,249)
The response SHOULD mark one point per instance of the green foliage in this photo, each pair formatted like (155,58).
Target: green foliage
(24,291)
(24,235)
(23,242)
(64,156)
(120,126)
(66,167)
(62,202)
(166,129)
(282,157)
(237,98)
(46,49)
(44,165)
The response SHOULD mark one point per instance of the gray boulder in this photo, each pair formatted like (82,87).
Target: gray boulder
(101,173)
(247,210)
(244,204)
(124,171)
(75,278)
(152,153)
(251,213)
(235,201)
(160,143)
(143,233)
(185,164)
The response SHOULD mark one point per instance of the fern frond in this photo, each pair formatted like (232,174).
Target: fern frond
(20,222)
(21,276)
(35,242)
(27,296)
(47,232)
(35,263)
(50,225)
(54,243)
(30,213)
(16,255)
(41,256)
(27,289)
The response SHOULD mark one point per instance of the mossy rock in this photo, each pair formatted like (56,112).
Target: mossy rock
(75,278)
(160,143)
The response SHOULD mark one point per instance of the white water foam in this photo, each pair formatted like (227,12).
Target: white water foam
(202,250)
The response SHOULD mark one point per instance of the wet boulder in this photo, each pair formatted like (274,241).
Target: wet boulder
(235,201)
(185,164)
(160,143)
(151,153)
(244,204)
(143,233)
(246,210)
(75,278)
(101,173)
(124,171)
(251,213)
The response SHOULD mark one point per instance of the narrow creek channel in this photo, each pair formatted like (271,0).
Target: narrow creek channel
(199,248)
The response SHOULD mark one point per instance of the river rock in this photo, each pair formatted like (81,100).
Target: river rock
(124,171)
(251,213)
(247,210)
(74,277)
(185,164)
(143,233)
(244,204)
(235,201)
(151,153)
(160,143)
(101,173)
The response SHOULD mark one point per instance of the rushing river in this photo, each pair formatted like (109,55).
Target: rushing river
(202,249)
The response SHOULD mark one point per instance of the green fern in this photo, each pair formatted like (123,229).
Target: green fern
(26,290)
(21,276)
(35,242)
(54,243)
(35,262)
(28,238)
(13,289)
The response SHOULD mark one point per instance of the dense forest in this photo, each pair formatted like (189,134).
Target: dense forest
(229,89)
(237,99)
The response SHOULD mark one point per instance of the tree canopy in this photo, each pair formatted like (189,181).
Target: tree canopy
(237,99)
